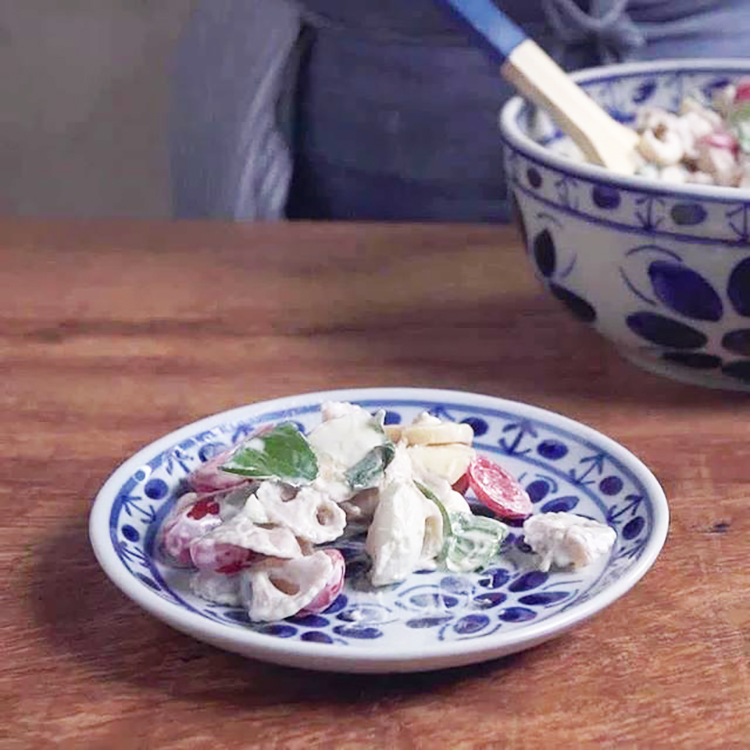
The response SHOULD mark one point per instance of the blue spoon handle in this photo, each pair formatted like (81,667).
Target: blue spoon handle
(494,28)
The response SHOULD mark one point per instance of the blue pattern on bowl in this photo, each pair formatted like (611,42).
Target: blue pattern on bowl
(661,270)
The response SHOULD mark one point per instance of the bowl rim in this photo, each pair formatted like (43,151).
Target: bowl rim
(363,658)
(515,138)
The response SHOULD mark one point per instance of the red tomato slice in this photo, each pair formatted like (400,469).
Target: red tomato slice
(209,477)
(720,139)
(332,588)
(221,557)
(743,90)
(497,489)
(461,484)
(204,507)
(180,530)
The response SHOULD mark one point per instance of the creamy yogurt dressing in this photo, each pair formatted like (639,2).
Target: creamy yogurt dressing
(346,439)
(347,433)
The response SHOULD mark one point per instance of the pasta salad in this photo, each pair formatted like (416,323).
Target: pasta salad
(259,520)
(704,142)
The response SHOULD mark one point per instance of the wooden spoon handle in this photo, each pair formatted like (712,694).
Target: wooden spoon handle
(541,80)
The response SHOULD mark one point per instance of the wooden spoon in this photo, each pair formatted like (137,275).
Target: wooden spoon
(540,79)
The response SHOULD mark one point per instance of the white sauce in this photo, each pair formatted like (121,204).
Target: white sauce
(425,419)
(347,439)
(217,587)
(243,531)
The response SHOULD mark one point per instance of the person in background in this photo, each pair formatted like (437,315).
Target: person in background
(382,109)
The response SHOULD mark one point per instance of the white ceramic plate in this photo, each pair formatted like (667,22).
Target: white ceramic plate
(434,619)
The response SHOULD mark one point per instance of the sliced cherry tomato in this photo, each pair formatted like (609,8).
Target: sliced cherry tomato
(180,529)
(497,489)
(240,562)
(333,586)
(204,507)
(720,139)
(462,484)
(743,90)
(206,554)
(209,477)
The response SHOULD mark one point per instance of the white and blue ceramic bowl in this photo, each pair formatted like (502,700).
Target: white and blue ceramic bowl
(661,270)
(434,619)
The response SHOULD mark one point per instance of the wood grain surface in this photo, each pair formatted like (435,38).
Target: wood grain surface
(112,334)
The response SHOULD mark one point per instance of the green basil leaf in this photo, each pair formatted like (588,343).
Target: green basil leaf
(471,542)
(740,112)
(474,543)
(282,454)
(367,472)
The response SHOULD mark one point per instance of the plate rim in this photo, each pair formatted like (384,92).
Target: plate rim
(363,658)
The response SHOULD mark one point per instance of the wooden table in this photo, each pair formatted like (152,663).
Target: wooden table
(115,333)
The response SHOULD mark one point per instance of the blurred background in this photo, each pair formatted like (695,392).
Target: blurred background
(83,97)
(85,94)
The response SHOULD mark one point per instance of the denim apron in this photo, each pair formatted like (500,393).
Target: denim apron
(349,109)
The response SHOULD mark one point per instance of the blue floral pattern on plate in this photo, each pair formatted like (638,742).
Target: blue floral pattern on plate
(562,471)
